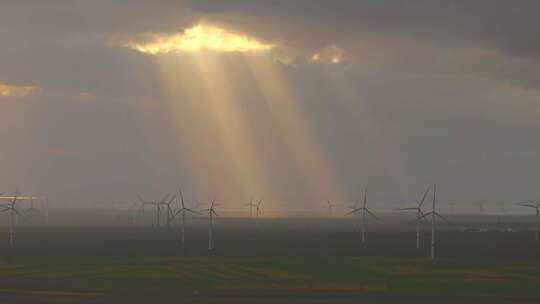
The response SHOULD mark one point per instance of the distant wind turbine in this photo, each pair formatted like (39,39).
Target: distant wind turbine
(419,215)
(537,208)
(211,214)
(182,211)
(12,212)
(169,211)
(434,214)
(257,211)
(156,204)
(257,207)
(365,211)
(251,205)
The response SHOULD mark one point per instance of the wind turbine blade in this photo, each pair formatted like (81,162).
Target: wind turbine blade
(425,215)
(442,218)
(141,199)
(192,211)
(365,197)
(164,199)
(527,205)
(15,197)
(424,197)
(172,199)
(371,213)
(17,212)
(353,211)
(411,208)
(181,196)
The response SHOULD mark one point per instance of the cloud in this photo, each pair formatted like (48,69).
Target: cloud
(201,37)
(17,91)
(508,25)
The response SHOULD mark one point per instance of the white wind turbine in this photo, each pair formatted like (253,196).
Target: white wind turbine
(251,205)
(211,214)
(10,207)
(365,211)
(156,204)
(419,215)
(537,208)
(434,214)
(169,211)
(182,211)
(257,211)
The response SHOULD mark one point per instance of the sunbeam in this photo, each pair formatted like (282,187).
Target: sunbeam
(293,124)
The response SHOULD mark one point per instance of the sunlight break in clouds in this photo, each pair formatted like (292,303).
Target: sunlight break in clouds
(16,91)
(201,37)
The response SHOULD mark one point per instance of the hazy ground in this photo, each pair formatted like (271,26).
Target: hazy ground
(281,261)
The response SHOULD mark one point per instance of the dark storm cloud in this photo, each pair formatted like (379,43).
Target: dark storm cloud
(508,25)
(67,44)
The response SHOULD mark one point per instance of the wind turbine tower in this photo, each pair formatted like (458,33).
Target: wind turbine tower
(419,216)
(211,214)
(537,226)
(365,211)
(182,211)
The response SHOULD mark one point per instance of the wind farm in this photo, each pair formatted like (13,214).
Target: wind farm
(307,151)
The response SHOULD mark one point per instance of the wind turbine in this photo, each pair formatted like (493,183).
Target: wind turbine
(365,211)
(434,214)
(537,207)
(211,213)
(12,212)
(251,205)
(143,204)
(257,211)
(182,211)
(419,215)
(167,205)
(156,204)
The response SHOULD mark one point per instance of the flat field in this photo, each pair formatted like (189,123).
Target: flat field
(269,264)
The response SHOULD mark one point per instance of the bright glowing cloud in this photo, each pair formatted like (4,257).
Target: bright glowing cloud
(332,54)
(19,198)
(201,37)
(16,91)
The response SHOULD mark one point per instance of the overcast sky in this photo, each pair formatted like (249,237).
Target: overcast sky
(392,95)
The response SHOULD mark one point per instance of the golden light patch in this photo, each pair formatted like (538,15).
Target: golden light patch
(16,91)
(201,37)
(330,54)
(19,198)
(336,59)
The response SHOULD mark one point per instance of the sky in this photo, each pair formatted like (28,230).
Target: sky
(293,102)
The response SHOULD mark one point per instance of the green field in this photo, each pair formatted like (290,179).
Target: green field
(239,280)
